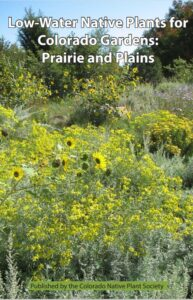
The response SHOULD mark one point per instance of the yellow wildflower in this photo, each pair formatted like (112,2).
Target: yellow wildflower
(100,161)
(18,173)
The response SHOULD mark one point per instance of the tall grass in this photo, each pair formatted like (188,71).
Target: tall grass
(168,95)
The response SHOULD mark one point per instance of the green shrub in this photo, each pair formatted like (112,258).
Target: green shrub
(11,287)
(149,73)
(165,259)
(173,166)
(181,70)
(98,98)
(19,87)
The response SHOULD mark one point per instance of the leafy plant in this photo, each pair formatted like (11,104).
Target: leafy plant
(11,287)
(99,98)
(181,70)
(19,87)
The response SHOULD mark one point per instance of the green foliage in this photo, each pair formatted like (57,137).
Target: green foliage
(99,98)
(174,42)
(173,167)
(165,260)
(11,287)
(19,87)
(2,291)
(150,73)
(181,71)
(53,73)
(61,77)
(28,37)
(4,45)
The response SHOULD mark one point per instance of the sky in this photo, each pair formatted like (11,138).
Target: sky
(75,9)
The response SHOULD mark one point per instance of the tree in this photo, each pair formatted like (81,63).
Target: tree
(149,72)
(28,37)
(175,42)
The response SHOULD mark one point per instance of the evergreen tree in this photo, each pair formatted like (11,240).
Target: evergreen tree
(28,37)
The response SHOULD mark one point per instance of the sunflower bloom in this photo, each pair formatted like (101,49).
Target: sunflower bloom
(100,161)
(65,161)
(70,142)
(18,173)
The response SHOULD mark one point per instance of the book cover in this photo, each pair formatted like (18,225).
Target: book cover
(96,149)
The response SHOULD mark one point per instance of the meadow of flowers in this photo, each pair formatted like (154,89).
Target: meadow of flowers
(91,203)
(96,163)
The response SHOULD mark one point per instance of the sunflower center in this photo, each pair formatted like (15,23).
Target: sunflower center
(16,174)
(69,143)
(98,161)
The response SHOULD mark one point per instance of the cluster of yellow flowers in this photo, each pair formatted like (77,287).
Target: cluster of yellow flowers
(20,87)
(163,128)
(31,90)
(61,189)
